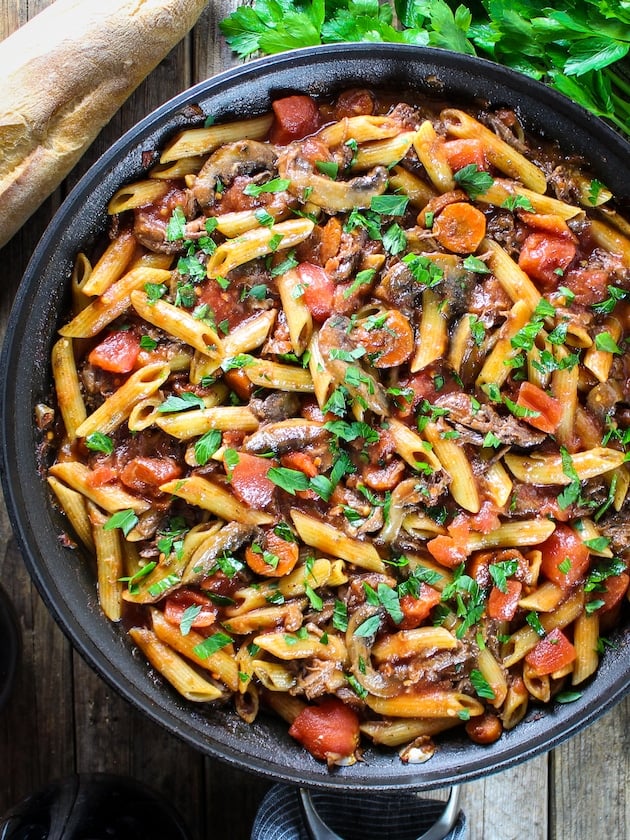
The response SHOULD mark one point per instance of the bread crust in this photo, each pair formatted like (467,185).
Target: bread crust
(66,72)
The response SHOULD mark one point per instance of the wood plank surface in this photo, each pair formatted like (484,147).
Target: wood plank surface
(62,717)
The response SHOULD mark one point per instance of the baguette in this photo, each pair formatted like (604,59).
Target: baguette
(65,73)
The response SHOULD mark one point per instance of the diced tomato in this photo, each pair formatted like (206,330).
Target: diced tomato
(452,550)
(461,153)
(249,480)
(218,583)
(329,731)
(544,258)
(319,290)
(549,408)
(553,652)
(273,556)
(460,528)
(416,610)
(478,567)
(294,118)
(565,558)
(301,461)
(447,551)
(102,474)
(117,353)
(485,520)
(502,605)
(177,604)
(615,587)
(225,303)
(143,473)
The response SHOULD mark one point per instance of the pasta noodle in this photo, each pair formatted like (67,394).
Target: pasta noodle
(342,420)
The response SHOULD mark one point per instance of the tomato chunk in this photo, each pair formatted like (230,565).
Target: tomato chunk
(553,652)
(144,473)
(502,605)
(329,731)
(464,152)
(549,409)
(181,600)
(544,258)
(249,480)
(319,290)
(301,461)
(614,588)
(117,353)
(295,117)
(416,609)
(447,551)
(565,558)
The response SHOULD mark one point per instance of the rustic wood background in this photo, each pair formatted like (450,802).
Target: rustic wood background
(62,718)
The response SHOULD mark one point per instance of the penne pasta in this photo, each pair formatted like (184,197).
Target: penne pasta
(117,408)
(113,302)
(174,668)
(329,540)
(201,141)
(212,497)
(257,243)
(67,387)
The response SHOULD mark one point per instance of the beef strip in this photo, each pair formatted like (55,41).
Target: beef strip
(486,419)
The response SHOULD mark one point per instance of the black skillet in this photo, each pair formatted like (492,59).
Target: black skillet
(63,576)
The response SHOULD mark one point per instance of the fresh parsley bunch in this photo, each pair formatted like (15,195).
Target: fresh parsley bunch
(579,47)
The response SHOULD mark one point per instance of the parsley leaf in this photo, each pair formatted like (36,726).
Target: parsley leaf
(473,181)
(180,402)
(289,480)
(126,520)
(211,645)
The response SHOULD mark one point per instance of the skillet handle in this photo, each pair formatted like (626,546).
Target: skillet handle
(318,830)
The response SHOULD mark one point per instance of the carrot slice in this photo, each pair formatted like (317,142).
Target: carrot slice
(389,344)
(460,228)
(273,556)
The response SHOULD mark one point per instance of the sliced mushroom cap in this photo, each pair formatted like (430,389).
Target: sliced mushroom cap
(243,157)
(229,538)
(332,195)
(286,435)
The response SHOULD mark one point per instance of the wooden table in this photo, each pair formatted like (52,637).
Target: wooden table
(62,718)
